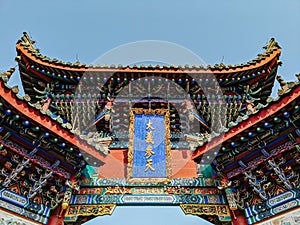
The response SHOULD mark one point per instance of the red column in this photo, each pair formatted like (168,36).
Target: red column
(57,217)
(238,218)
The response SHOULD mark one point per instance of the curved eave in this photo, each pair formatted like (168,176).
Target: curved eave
(262,60)
(44,120)
(251,121)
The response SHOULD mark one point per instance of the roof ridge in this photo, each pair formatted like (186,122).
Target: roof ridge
(290,86)
(28,44)
(65,126)
(37,106)
(6,75)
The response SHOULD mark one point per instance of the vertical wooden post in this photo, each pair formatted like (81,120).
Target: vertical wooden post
(57,217)
(238,218)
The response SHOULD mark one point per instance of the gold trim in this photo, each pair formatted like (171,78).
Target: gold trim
(89,210)
(205,209)
(166,114)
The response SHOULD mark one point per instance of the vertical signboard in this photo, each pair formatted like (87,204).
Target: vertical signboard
(149,151)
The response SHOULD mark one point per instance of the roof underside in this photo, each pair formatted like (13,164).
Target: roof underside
(41,75)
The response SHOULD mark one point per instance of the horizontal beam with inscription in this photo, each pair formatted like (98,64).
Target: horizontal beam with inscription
(147,199)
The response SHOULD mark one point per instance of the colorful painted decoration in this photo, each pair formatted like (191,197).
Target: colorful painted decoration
(149,153)
(245,170)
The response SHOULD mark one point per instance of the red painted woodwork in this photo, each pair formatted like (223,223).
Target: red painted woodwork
(31,112)
(116,164)
(238,218)
(84,68)
(56,217)
(254,119)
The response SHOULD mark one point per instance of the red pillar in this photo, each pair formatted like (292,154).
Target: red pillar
(57,217)
(238,218)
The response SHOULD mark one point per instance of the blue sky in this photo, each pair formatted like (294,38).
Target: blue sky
(231,30)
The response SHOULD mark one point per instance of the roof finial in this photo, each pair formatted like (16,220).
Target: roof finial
(6,75)
(272,44)
(281,81)
(285,86)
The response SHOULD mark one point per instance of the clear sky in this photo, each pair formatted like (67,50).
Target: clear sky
(233,31)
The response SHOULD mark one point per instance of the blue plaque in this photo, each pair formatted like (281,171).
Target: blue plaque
(149,146)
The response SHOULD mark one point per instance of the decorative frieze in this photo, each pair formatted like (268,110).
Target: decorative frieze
(222,211)
(145,199)
(90,210)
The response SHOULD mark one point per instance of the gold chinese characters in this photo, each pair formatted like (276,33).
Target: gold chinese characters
(149,150)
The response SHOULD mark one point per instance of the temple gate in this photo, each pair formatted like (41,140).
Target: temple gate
(84,140)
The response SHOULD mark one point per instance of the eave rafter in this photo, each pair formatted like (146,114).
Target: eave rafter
(23,107)
(26,48)
(250,122)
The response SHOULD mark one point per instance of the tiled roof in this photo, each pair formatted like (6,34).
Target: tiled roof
(26,45)
(287,89)
(36,110)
